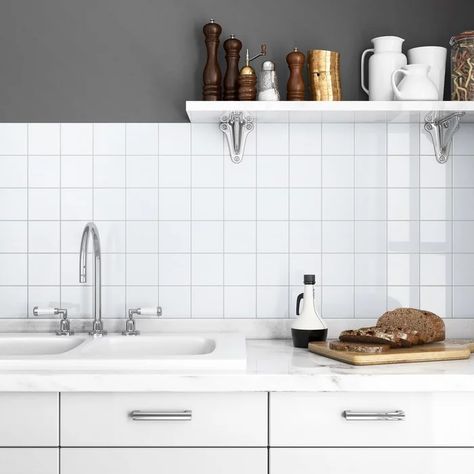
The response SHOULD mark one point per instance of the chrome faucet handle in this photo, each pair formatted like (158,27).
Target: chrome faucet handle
(64,323)
(130,326)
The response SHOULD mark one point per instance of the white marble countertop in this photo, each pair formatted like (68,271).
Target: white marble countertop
(272,365)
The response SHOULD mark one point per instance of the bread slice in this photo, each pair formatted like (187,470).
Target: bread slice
(359,347)
(429,326)
(381,335)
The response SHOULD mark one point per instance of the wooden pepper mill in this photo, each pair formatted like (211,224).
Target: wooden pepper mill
(212,76)
(232,48)
(295,85)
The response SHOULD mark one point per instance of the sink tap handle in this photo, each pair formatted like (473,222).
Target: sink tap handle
(153,311)
(130,326)
(64,324)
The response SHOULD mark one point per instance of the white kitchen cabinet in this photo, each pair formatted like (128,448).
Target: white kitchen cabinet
(215,419)
(29,419)
(29,460)
(164,460)
(370,460)
(317,419)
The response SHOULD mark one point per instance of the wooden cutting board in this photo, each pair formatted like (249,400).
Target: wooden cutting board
(448,350)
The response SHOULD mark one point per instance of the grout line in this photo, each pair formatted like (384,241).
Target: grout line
(28,220)
(354,302)
(288,304)
(191,154)
(60,220)
(158,276)
(386,220)
(125,241)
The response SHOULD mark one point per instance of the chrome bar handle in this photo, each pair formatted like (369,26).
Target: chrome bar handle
(138,415)
(396,415)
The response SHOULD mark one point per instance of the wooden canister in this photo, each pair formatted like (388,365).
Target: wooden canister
(324,74)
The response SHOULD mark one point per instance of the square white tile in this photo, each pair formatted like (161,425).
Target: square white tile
(174,236)
(436,236)
(42,236)
(109,171)
(113,302)
(272,171)
(338,269)
(434,175)
(463,302)
(403,236)
(207,269)
(305,204)
(112,236)
(435,269)
(142,171)
(370,269)
(71,233)
(142,237)
(174,204)
(272,269)
(403,171)
(76,204)
(43,269)
(436,204)
(207,236)
(464,140)
(174,138)
(109,204)
(142,296)
(403,139)
(370,302)
(239,204)
(240,236)
(240,269)
(109,139)
(69,270)
(303,264)
(272,204)
(113,269)
(370,171)
(175,269)
(305,171)
(243,175)
(142,204)
(437,299)
(337,302)
(44,139)
(272,236)
(305,236)
(370,139)
(13,204)
(13,171)
(142,139)
(463,174)
(43,204)
(370,204)
(76,138)
(207,302)
(14,269)
(272,139)
(305,138)
(176,301)
(76,171)
(206,139)
(240,302)
(43,297)
(403,269)
(403,296)
(14,236)
(338,171)
(463,233)
(13,139)
(78,301)
(338,204)
(338,236)
(370,236)
(207,171)
(337,138)
(403,204)
(272,302)
(142,269)
(175,171)
(43,171)
(207,204)
(463,269)
(462,204)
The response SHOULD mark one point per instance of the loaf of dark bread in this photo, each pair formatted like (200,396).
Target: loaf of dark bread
(359,347)
(429,326)
(381,335)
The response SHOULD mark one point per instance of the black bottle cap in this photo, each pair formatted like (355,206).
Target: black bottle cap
(309,279)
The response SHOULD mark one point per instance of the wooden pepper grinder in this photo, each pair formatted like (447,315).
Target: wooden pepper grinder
(232,48)
(295,85)
(248,78)
(212,76)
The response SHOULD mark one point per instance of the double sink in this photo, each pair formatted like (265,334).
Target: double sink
(163,352)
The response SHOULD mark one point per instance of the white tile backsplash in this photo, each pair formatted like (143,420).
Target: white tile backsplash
(363,206)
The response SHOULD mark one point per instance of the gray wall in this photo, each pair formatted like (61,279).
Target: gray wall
(139,60)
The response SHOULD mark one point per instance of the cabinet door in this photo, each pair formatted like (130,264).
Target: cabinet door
(370,460)
(29,460)
(165,460)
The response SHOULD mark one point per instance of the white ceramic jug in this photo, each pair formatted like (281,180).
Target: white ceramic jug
(416,85)
(387,58)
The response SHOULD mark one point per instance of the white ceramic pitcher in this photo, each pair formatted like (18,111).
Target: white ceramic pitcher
(387,58)
(416,85)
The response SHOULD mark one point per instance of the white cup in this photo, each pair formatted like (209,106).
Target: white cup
(435,57)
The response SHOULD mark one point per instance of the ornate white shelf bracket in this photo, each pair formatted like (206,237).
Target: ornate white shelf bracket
(442,130)
(236,126)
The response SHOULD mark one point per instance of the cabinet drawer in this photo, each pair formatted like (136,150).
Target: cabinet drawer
(164,419)
(165,460)
(29,419)
(29,460)
(317,419)
(371,461)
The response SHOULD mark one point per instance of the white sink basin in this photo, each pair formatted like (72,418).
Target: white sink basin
(162,352)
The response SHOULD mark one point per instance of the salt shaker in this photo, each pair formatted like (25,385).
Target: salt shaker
(268,82)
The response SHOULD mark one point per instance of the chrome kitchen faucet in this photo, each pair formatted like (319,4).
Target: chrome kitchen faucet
(91,228)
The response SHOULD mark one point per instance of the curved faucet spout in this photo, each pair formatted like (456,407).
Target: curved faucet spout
(91,229)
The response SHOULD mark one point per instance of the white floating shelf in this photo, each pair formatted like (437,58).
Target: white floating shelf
(312,111)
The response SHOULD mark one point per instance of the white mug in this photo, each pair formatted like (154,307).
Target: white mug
(435,57)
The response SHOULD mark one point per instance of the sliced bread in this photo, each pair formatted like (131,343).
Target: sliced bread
(359,347)
(381,335)
(429,326)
